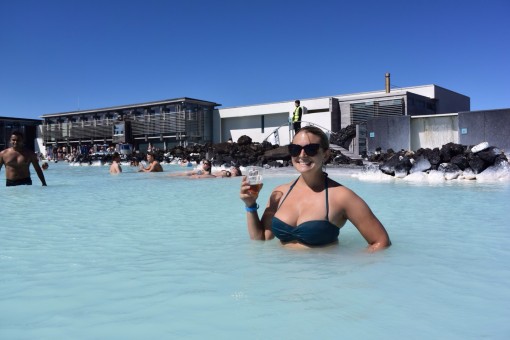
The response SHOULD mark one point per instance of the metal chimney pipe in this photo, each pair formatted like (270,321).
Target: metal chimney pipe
(387,83)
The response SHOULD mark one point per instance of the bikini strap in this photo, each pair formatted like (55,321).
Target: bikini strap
(326,188)
(288,192)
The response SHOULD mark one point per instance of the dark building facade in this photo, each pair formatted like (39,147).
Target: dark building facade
(28,127)
(162,124)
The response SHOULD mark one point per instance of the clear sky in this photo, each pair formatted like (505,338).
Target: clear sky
(65,55)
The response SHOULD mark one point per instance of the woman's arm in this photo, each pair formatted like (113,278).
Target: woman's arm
(360,214)
(259,229)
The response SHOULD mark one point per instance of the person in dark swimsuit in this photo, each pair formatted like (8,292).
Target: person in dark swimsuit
(310,233)
(17,160)
(15,182)
(310,211)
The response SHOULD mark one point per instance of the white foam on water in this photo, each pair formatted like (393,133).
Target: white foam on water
(435,176)
(421,164)
(417,177)
(496,173)
(373,174)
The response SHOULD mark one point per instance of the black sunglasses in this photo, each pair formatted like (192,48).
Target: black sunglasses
(310,149)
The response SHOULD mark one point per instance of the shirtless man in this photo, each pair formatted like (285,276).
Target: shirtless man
(17,162)
(115,167)
(154,165)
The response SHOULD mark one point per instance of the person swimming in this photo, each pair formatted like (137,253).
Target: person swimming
(232,172)
(316,207)
(153,166)
(203,171)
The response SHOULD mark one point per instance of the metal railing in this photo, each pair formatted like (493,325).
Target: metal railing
(353,146)
(291,130)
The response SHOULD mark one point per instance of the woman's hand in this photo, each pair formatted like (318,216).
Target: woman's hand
(248,197)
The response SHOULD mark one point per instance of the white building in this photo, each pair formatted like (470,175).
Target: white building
(260,122)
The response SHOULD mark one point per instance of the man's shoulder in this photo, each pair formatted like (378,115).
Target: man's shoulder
(6,151)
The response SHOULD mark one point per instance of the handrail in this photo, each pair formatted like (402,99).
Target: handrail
(301,121)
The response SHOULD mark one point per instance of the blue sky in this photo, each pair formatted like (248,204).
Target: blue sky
(59,56)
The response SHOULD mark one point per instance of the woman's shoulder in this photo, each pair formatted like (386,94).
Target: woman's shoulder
(338,188)
(283,187)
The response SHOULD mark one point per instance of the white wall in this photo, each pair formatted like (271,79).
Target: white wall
(434,131)
(251,126)
(246,120)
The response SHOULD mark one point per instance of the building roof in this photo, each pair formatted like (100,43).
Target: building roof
(28,120)
(133,106)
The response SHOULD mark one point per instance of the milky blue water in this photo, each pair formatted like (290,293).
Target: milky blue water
(145,256)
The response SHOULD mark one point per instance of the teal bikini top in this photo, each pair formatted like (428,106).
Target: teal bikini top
(311,233)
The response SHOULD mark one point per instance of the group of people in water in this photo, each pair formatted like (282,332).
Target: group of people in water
(307,212)
(203,170)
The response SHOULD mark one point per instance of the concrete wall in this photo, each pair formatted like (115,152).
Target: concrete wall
(217,129)
(388,132)
(414,132)
(446,101)
(450,102)
(334,107)
(492,126)
(345,114)
(433,131)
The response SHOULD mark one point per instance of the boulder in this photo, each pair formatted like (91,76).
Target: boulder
(468,174)
(449,150)
(396,163)
(344,136)
(450,171)
(420,164)
(341,159)
(489,155)
(461,161)
(479,147)
(477,164)
(281,152)
(244,140)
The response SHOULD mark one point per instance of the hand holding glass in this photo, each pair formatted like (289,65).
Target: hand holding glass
(254,177)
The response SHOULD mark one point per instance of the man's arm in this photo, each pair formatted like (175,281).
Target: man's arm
(38,170)
(1,160)
(150,168)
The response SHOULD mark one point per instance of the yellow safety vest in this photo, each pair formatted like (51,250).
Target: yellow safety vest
(295,117)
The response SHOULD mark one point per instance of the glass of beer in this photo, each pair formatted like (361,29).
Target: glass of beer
(254,176)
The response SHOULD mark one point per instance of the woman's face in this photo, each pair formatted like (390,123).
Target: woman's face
(304,162)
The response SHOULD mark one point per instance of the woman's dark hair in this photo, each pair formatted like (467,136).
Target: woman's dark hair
(210,165)
(318,132)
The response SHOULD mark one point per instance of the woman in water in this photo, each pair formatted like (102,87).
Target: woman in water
(203,171)
(310,211)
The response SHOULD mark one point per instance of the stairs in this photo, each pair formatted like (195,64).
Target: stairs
(344,151)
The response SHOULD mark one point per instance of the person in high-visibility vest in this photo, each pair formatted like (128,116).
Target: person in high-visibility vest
(296,117)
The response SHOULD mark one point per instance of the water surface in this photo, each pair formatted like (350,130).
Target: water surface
(147,256)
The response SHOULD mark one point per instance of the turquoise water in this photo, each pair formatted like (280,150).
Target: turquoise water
(95,256)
